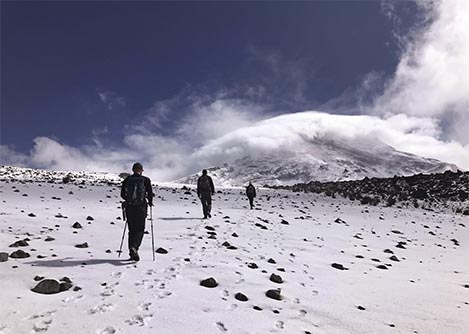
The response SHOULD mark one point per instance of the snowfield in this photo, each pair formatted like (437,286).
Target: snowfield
(295,236)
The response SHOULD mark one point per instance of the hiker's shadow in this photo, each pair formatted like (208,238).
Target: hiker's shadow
(179,218)
(70,262)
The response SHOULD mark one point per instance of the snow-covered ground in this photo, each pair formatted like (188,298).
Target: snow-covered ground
(426,292)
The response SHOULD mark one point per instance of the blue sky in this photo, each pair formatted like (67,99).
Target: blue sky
(87,74)
(57,57)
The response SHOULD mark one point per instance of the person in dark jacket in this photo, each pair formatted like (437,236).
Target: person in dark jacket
(205,190)
(137,193)
(251,193)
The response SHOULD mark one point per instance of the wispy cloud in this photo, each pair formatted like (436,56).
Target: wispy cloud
(111,99)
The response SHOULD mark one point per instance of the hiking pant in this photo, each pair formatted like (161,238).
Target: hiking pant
(251,201)
(206,199)
(136,216)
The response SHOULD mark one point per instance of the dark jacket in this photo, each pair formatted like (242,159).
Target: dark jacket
(205,185)
(250,191)
(146,182)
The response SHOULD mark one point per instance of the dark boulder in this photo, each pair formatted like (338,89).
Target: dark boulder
(241,297)
(47,287)
(19,254)
(276,278)
(274,294)
(209,283)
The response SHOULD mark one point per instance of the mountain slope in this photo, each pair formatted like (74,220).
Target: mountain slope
(322,159)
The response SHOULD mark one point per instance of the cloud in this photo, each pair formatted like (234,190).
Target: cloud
(111,99)
(9,156)
(432,77)
(293,131)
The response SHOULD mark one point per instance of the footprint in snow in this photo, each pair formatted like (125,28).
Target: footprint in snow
(139,320)
(101,308)
(221,326)
(107,330)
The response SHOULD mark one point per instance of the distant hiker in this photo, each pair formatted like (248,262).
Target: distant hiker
(251,193)
(136,190)
(205,190)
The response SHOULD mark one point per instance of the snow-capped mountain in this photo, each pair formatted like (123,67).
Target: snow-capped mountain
(299,148)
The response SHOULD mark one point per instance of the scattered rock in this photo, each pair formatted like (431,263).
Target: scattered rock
(234,235)
(31,215)
(361,308)
(338,266)
(83,245)
(66,279)
(209,283)
(241,297)
(161,250)
(271,261)
(19,254)
(77,225)
(284,222)
(394,258)
(252,265)
(38,278)
(108,251)
(47,287)
(89,218)
(382,266)
(65,286)
(274,294)
(49,239)
(19,243)
(276,278)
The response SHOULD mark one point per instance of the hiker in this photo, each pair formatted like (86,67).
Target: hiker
(251,193)
(205,190)
(137,194)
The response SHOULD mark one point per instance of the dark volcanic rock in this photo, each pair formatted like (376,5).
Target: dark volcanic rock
(77,225)
(83,245)
(31,215)
(89,218)
(252,265)
(394,258)
(241,297)
(19,243)
(209,283)
(274,294)
(338,266)
(276,278)
(284,222)
(271,261)
(361,308)
(49,239)
(65,286)
(161,250)
(38,278)
(47,287)
(382,266)
(3,257)
(19,254)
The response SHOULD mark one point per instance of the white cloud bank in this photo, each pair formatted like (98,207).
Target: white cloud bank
(432,78)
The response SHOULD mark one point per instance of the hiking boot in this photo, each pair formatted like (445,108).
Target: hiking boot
(134,254)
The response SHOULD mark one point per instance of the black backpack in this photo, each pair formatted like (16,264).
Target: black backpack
(135,191)
(204,184)
(250,190)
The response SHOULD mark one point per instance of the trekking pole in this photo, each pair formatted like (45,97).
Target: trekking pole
(152,236)
(122,241)
(125,227)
